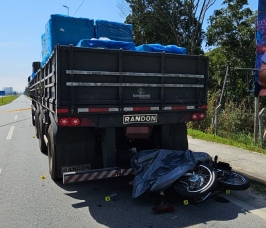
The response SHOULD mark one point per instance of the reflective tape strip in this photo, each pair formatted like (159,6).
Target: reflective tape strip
(102,175)
(127,172)
(130,109)
(113,109)
(73,178)
(76,177)
(83,110)
(98,110)
(112,174)
(178,107)
(92,176)
(83,177)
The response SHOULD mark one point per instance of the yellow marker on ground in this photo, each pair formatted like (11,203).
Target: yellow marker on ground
(227,192)
(107,198)
(33,136)
(185,202)
(43,177)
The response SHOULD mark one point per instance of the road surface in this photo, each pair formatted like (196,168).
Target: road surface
(28,201)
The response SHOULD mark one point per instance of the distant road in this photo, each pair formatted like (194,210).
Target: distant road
(28,201)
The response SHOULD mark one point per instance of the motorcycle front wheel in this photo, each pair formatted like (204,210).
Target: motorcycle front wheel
(235,181)
(197,183)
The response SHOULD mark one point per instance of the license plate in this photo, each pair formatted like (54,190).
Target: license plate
(142,118)
(76,168)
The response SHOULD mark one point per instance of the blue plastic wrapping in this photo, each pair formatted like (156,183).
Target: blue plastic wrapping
(65,30)
(107,44)
(161,48)
(156,170)
(114,30)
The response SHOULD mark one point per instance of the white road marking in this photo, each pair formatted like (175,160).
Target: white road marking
(246,206)
(10,133)
(0,171)
(16,116)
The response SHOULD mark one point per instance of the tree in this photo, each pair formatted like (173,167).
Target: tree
(27,91)
(232,33)
(168,21)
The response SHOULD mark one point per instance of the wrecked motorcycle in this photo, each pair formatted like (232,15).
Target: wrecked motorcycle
(194,175)
(209,177)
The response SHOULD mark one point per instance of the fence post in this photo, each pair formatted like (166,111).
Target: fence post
(217,110)
(261,128)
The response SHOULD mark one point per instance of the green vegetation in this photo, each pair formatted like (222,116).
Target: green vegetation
(238,140)
(7,100)
(230,38)
(258,188)
(168,22)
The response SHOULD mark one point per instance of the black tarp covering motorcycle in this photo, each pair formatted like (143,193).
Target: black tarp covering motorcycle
(195,175)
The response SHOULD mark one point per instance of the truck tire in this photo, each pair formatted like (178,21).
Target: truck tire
(36,124)
(32,119)
(178,137)
(51,154)
(42,145)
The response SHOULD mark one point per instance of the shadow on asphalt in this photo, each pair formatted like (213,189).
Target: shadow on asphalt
(124,211)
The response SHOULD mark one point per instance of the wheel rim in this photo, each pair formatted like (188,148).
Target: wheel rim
(235,179)
(197,181)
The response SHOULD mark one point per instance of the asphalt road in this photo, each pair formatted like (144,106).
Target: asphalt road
(28,201)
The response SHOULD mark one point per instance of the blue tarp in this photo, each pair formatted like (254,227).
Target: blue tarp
(107,44)
(114,30)
(161,48)
(156,170)
(65,30)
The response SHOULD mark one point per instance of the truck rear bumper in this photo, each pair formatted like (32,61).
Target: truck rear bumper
(96,174)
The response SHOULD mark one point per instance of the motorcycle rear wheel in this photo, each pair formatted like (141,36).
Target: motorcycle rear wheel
(197,183)
(235,181)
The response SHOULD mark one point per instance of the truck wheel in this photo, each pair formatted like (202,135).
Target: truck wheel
(32,118)
(36,124)
(178,137)
(42,145)
(51,154)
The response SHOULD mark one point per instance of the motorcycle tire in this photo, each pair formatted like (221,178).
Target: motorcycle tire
(197,183)
(235,181)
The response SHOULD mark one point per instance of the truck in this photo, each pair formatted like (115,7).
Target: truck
(93,109)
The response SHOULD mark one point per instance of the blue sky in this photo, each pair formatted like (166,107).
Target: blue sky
(22,24)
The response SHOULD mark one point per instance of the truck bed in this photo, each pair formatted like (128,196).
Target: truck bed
(114,82)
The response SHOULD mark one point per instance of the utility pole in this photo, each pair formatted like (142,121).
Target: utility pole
(67,9)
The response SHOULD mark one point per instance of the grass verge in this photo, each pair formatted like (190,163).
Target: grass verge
(236,141)
(258,188)
(7,100)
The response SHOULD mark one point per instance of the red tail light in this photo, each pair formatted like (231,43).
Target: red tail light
(202,116)
(195,116)
(63,121)
(75,122)
(204,107)
(198,116)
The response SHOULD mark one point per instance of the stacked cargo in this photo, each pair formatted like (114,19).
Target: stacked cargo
(81,32)
(106,44)
(65,30)
(114,30)
(160,48)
